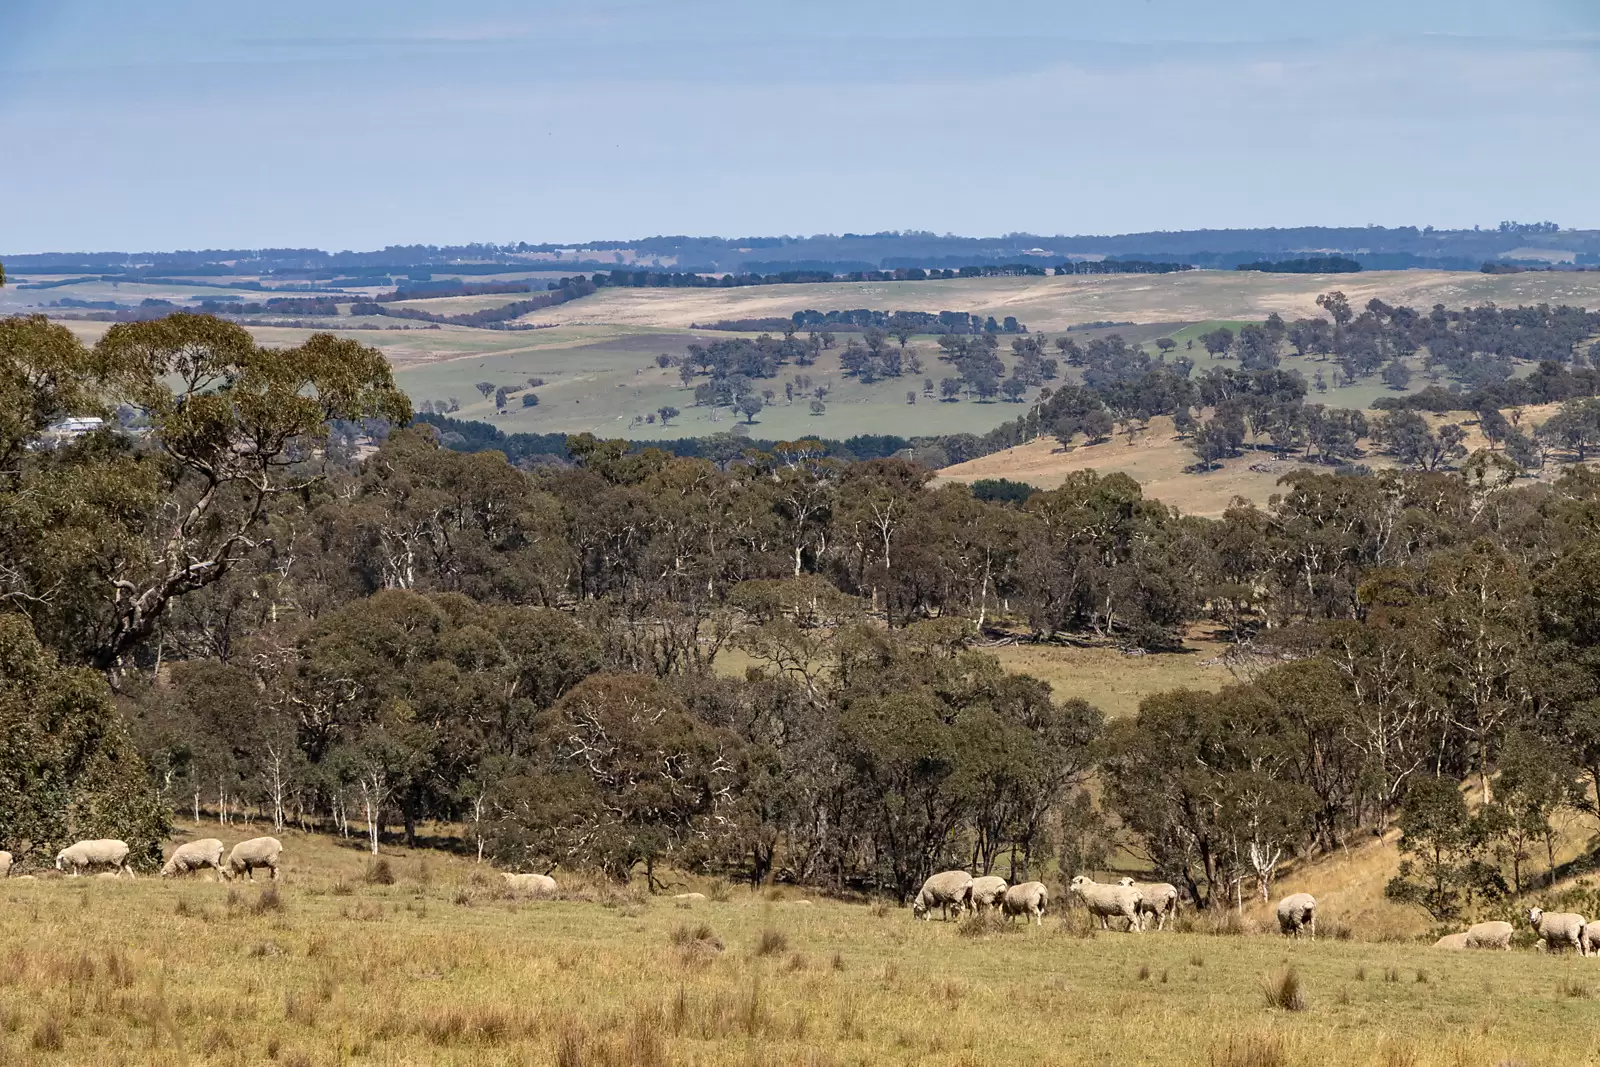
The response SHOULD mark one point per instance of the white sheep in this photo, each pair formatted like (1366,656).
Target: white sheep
(205,852)
(1107,901)
(249,855)
(1159,899)
(538,885)
(102,852)
(1030,899)
(986,892)
(689,897)
(5,864)
(1297,914)
(1494,934)
(1452,942)
(1559,930)
(946,891)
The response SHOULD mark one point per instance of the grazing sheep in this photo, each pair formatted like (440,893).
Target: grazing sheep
(1155,898)
(1453,942)
(206,852)
(538,885)
(1496,934)
(1297,914)
(946,891)
(1559,930)
(1030,899)
(986,892)
(5,864)
(1108,900)
(256,852)
(104,852)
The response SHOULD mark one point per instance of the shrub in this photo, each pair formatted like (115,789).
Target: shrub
(379,872)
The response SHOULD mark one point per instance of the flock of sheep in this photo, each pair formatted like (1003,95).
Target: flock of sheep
(1135,903)
(258,853)
(955,892)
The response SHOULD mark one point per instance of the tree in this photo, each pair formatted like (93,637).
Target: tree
(750,406)
(667,413)
(530,400)
(818,407)
(70,771)
(486,388)
(1337,305)
(628,776)
(1217,341)
(1396,375)
(1444,848)
(1165,344)
(117,529)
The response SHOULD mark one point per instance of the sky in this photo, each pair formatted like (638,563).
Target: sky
(356,124)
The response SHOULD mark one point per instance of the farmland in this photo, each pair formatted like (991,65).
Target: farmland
(597,358)
(425,959)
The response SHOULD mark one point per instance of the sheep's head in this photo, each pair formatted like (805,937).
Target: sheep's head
(61,860)
(1534,915)
(1080,880)
(1125,881)
(918,908)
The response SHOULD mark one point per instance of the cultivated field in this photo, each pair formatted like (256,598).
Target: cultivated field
(441,967)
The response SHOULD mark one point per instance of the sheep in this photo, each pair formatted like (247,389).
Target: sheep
(5,864)
(1159,899)
(1496,934)
(1109,900)
(248,855)
(693,897)
(1453,942)
(1591,938)
(104,852)
(206,852)
(1559,930)
(946,891)
(1297,914)
(539,885)
(1030,899)
(986,892)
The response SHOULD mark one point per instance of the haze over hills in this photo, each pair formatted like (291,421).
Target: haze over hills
(1374,247)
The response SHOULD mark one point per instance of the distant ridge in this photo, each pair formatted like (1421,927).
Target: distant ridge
(1374,248)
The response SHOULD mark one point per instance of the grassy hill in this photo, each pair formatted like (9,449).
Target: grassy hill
(1159,460)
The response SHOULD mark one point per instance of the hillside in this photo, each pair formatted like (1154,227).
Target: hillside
(1160,462)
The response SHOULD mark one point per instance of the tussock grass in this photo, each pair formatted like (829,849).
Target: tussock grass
(1285,991)
(379,872)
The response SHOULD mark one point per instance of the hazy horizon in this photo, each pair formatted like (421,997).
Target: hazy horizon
(181,125)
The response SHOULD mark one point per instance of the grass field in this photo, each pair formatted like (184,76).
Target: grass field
(441,967)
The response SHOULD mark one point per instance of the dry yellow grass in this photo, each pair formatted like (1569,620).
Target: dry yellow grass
(440,969)
(1055,303)
(1112,680)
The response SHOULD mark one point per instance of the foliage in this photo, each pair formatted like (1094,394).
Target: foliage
(70,771)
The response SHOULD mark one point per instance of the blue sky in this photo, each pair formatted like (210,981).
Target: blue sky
(356,123)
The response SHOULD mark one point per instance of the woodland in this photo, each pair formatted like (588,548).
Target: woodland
(258,588)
